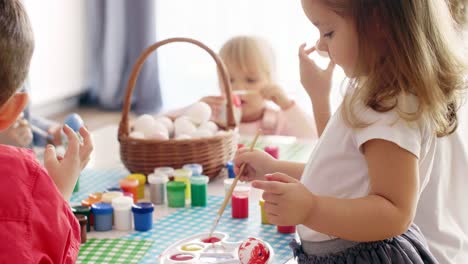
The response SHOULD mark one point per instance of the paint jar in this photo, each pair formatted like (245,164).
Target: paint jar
(169,171)
(131,186)
(102,216)
(262,212)
(83,220)
(240,201)
(83,210)
(286,229)
(175,194)
(114,189)
(183,175)
(109,196)
(230,169)
(122,213)
(197,169)
(141,178)
(228,183)
(88,202)
(199,185)
(143,216)
(157,187)
(273,151)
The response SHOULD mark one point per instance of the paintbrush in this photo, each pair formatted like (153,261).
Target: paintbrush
(233,185)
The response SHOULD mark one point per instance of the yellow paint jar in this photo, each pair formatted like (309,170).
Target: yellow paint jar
(141,178)
(183,175)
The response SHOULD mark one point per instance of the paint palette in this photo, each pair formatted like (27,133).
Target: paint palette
(199,249)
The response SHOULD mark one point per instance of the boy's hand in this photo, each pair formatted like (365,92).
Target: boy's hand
(287,201)
(216,103)
(316,82)
(65,171)
(257,163)
(274,93)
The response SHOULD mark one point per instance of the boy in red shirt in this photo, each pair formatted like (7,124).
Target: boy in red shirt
(36,223)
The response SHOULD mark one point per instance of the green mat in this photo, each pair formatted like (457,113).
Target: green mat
(113,251)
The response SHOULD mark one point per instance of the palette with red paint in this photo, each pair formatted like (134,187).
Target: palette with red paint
(200,248)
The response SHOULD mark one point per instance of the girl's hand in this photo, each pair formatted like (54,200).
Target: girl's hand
(216,103)
(65,171)
(274,93)
(287,201)
(316,82)
(257,164)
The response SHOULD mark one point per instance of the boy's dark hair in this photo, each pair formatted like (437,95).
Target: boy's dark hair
(16,47)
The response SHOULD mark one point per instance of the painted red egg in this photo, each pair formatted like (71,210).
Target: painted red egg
(253,251)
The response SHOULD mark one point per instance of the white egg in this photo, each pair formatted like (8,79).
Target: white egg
(183,125)
(182,137)
(210,125)
(199,112)
(167,122)
(160,127)
(144,124)
(201,133)
(159,135)
(137,135)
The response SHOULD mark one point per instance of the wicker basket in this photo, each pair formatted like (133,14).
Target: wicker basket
(143,155)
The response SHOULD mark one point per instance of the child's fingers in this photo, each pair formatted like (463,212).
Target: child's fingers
(271,198)
(269,186)
(280,177)
(87,147)
(271,209)
(331,66)
(50,157)
(73,142)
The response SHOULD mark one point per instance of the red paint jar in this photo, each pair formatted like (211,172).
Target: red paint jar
(240,202)
(83,220)
(273,151)
(131,186)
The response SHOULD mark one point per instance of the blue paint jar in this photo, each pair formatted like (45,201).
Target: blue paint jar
(102,216)
(143,216)
(197,169)
(230,169)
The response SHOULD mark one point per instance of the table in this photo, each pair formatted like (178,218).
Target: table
(104,170)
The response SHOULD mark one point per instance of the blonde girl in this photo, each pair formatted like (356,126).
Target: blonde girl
(355,199)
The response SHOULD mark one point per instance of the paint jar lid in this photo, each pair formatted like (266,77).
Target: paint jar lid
(197,169)
(241,190)
(166,170)
(89,201)
(101,208)
(80,209)
(128,182)
(142,208)
(175,186)
(230,169)
(202,179)
(184,173)
(157,178)
(122,203)
(273,151)
(141,178)
(114,189)
(109,196)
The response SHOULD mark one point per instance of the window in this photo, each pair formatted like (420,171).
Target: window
(188,73)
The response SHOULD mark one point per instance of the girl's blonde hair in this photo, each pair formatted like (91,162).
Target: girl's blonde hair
(458,10)
(421,59)
(249,54)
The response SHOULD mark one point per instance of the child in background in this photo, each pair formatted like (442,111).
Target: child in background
(250,63)
(442,213)
(37,223)
(356,198)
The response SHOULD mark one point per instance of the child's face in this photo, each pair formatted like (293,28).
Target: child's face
(252,101)
(338,34)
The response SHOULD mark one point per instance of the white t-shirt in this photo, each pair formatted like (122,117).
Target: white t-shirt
(442,212)
(338,168)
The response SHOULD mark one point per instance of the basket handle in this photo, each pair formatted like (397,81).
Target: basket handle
(123,127)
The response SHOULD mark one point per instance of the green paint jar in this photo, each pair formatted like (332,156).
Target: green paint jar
(199,190)
(175,194)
